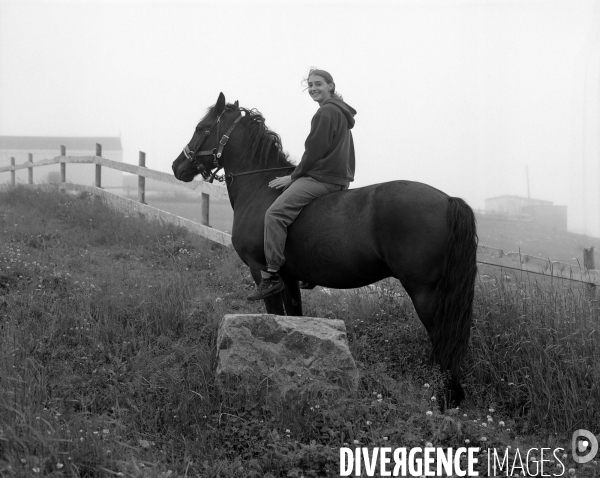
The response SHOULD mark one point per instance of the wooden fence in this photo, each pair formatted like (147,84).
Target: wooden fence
(485,255)
(128,205)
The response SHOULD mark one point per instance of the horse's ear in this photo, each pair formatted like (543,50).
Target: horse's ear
(236,104)
(220,106)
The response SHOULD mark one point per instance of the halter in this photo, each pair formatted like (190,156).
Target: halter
(192,156)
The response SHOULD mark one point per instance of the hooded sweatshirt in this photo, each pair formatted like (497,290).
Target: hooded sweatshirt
(329,149)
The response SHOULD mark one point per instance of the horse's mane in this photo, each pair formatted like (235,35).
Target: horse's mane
(260,144)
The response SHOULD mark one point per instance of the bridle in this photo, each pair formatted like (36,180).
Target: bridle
(192,156)
(192,153)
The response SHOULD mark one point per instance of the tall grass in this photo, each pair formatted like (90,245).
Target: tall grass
(535,350)
(107,357)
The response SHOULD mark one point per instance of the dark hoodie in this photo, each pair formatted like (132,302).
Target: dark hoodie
(329,149)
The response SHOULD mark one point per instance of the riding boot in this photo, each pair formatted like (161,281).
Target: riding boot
(268,286)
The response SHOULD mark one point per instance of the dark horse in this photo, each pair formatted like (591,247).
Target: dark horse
(346,239)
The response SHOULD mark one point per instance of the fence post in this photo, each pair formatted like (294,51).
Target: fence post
(30,159)
(13,180)
(142,180)
(588,258)
(205,210)
(98,167)
(63,169)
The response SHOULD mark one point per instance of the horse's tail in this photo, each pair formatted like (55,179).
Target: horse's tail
(455,291)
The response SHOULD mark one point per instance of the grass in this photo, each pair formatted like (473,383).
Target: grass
(107,358)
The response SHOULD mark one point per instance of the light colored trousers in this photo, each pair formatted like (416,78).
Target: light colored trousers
(284,211)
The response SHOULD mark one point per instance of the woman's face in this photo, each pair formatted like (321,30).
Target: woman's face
(318,88)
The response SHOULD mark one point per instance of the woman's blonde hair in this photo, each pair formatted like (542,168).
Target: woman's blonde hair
(327,77)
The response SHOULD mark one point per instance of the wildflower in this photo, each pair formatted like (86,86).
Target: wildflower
(492,410)
(426,385)
(490,419)
(429,413)
(384,438)
(428,445)
(501,423)
(356,442)
(433,399)
(379,396)
(565,456)
(571,471)
(287,430)
(467,441)
(483,439)
(368,422)
(484,424)
(36,470)
(59,466)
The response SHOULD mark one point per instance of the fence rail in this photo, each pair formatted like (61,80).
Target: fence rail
(485,255)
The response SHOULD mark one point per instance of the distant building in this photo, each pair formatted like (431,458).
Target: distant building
(45,147)
(522,208)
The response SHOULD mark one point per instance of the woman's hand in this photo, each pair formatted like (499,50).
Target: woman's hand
(281,182)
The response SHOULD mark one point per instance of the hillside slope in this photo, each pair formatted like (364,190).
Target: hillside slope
(535,240)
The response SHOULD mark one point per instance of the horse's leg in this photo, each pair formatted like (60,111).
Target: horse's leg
(273,304)
(292,298)
(453,297)
(425,302)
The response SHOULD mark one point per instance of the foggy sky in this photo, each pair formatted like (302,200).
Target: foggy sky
(462,95)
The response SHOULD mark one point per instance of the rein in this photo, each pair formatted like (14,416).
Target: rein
(232,175)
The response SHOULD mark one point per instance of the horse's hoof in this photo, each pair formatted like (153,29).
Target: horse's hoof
(307,286)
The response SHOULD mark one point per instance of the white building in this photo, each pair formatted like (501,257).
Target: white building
(537,210)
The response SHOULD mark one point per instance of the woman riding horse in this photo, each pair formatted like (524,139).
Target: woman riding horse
(327,165)
(403,229)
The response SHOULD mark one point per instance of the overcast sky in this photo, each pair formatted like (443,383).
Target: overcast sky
(462,95)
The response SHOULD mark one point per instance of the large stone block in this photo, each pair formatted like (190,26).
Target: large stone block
(291,357)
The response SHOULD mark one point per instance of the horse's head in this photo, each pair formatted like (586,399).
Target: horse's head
(204,152)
